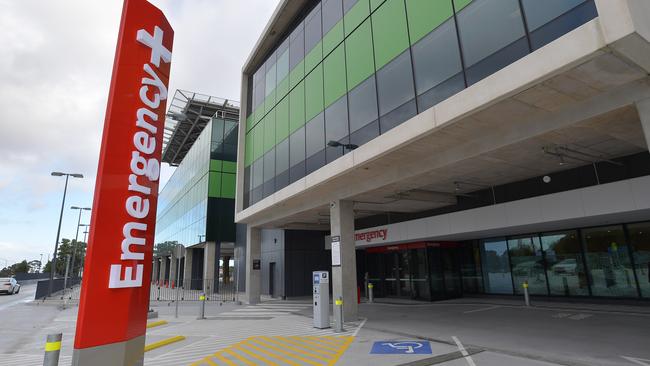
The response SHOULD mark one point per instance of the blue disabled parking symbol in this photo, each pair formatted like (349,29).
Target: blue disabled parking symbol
(401,348)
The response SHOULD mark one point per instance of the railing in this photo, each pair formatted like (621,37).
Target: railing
(190,290)
(42,287)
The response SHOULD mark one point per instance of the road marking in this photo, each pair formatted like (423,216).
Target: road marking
(156,324)
(282,350)
(638,361)
(580,316)
(356,331)
(464,352)
(483,309)
(163,343)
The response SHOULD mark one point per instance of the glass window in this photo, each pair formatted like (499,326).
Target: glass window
(390,31)
(282,164)
(496,267)
(297,107)
(608,261)
(355,13)
(269,172)
(334,76)
(314,93)
(283,65)
(348,4)
(269,131)
(549,20)
(297,154)
(470,262)
(313,28)
(332,13)
(492,36)
(539,13)
(640,241)
(363,105)
(270,74)
(528,265)
(296,46)
(360,62)
(258,173)
(425,15)
(395,84)
(436,58)
(336,128)
(564,264)
(315,135)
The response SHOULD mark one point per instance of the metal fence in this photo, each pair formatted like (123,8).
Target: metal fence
(42,288)
(191,290)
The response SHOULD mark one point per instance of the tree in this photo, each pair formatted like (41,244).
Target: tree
(165,248)
(34,266)
(66,247)
(20,267)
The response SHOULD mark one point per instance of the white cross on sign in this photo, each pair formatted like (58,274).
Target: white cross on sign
(158,51)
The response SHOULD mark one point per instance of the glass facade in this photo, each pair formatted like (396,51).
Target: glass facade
(608,261)
(354,69)
(197,203)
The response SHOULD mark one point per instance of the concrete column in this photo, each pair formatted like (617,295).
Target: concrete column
(187,270)
(226,269)
(643,107)
(173,263)
(163,269)
(253,256)
(209,267)
(154,269)
(344,277)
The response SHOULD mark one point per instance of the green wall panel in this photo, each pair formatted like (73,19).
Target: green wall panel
(359,55)
(248,160)
(297,74)
(214,188)
(314,57)
(334,76)
(258,141)
(216,165)
(389,31)
(426,15)
(374,4)
(269,131)
(461,4)
(355,16)
(314,93)
(228,184)
(282,120)
(283,88)
(230,167)
(297,107)
(333,38)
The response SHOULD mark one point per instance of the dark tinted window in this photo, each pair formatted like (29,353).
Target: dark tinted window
(269,165)
(436,57)
(487,26)
(363,104)
(395,84)
(297,146)
(258,173)
(315,135)
(296,46)
(336,127)
(270,74)
(282,156)
(283,61)
(332,13)
(539,13)
(313,29)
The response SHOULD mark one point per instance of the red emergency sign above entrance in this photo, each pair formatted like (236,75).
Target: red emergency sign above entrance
(115,291)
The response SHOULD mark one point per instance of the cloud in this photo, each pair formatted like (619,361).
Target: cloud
(55,70)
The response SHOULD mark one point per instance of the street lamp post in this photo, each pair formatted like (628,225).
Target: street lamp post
(83,258)
(76,238)
(58,232)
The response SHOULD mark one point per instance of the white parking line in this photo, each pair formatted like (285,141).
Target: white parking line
(483,309)
(463,352)
(638,361)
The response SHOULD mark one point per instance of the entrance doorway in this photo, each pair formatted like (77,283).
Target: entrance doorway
(421,271)
(272,279)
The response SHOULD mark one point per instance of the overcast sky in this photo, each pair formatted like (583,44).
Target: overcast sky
(55,65)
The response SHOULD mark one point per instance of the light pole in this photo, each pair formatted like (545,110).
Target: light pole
(76,238)
(83,259)
(58,232)
(40,264)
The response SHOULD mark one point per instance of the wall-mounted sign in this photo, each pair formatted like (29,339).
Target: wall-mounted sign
(114,300)
(369,236)
(257,264)
(336,251)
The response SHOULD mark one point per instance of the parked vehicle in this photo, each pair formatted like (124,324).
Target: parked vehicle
(567,266)
(9,286)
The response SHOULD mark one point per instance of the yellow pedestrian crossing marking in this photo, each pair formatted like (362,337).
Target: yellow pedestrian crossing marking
(281,351)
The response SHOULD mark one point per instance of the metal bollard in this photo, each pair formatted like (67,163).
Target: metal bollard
(338,315)
(526,296)
(52,349)
(202,306)
(371,296)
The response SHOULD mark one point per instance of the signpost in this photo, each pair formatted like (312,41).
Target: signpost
(112,318)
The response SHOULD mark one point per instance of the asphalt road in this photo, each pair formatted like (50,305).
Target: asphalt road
(26,293)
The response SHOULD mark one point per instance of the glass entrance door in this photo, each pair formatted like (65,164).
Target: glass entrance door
(444,272)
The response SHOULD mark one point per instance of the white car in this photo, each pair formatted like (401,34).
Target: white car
(9,286)
(567,266)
